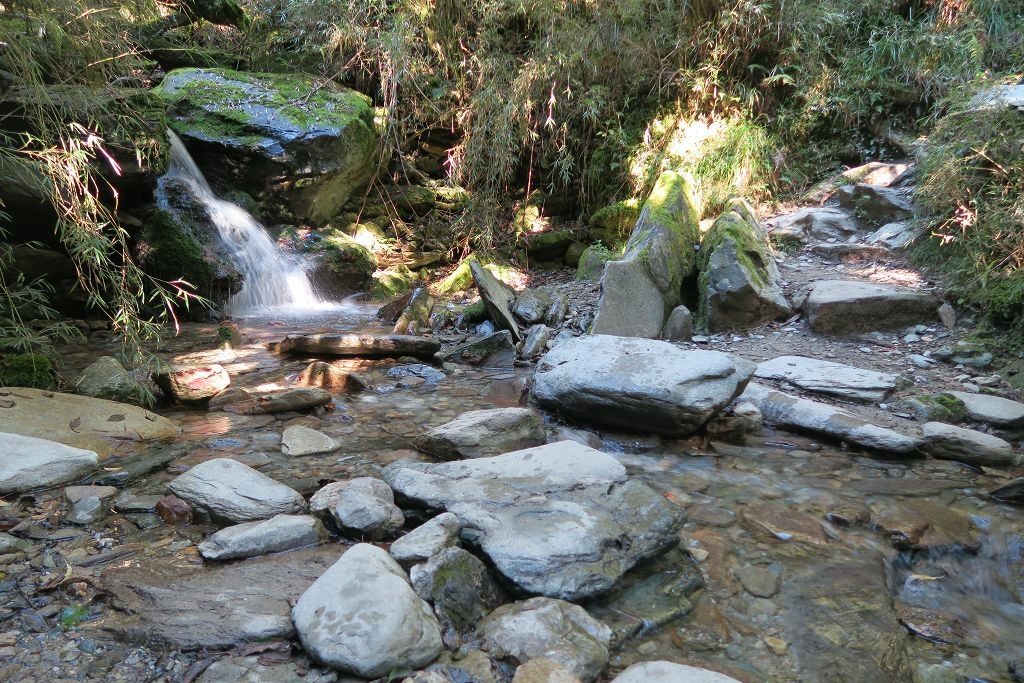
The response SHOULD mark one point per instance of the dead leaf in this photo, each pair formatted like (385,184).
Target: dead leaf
(116,418)
(7,404)
(75,424)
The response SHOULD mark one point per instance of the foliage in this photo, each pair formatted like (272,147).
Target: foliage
(27,370)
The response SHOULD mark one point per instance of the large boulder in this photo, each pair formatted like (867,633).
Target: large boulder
(306,141)
(561,520)
(363,617)
(233,492)
(640,290)
(28,463)
(638,384)
(849,306)
(482,433)
(739,282)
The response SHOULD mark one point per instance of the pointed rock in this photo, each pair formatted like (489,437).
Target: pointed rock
(497,297)
(235,492)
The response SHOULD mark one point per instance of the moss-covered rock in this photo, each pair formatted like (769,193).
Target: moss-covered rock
(592,261)
(310,141)
(612,224)
(391,282)
(939,407)
(739,281)
(343,265)
(27,370)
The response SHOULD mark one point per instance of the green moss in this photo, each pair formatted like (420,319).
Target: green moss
(169,251)
(27,370)
(475,313)
(389,283)
(591,265)
(613,223)
(459,280)
(944,407)
(342,255)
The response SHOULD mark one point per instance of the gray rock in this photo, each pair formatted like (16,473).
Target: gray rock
(497,350)
(801,414)
(552,629)
(639,290)
(251,670)
(416,313)
(670,672)
(482,433)
(536,341)
(847,251)
(460,588)
(820,223)
(363,617)
(736,422)
(993,410)
(967,445)
(947,315)
(558,309)
(243,402)
(879,173)
(899,235)
(739,281)
(108,379)
(299,440)
(965,353)
(193,383)
(359,345)
(427,540)
(235,493)
(561,520)
(274,535)
(679,326)
(638,384)
(876,205)
(363,506)
(826,377)
(1011,492)
(760,582)
(28,463)
(841,307)
(12,544)
(544,670)
(532,305)
(87,511)
(999,97)
(497,298)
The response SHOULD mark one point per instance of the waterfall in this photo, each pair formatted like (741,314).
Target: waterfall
(271,279)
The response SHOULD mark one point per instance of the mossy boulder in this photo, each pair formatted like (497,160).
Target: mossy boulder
(612,224)
(461,279)
(391,282)
(27,370)
(592,261)
(939,407)
(642,288)
(342,265)
(289,135)
(739,283)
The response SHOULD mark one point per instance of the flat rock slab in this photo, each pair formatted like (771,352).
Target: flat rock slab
(561,520)
(993,410)
(849,306)
(497,297)
(28,463)
(641,385)
(275,535)
(359,345)
(213,608)
(801,414)
(234,492)
(242,402)
(81,421)
(826,377)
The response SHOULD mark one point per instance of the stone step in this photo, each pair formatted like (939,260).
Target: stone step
(827,377)
(851,306)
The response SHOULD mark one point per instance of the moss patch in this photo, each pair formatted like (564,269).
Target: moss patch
(612,224)
(169,251)
(591,265)
(27,370)
(393,281)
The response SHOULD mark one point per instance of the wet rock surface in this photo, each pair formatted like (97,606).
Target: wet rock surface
(483,433)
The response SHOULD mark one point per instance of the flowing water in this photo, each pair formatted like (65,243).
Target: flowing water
(272,280)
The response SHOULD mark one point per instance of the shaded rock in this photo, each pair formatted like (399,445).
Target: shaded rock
(612,224)
(194,383)
(211,607)
(234,492)
(174,510)
(783,524)
(460,588)
(81,421)
(558,309)
(1011,492)
(826,377)
(550,629)
(739,281)
(876,205)
(679,326)
(636,384)
(497,350)
(362,616)
(965,353)
(274,535)
(364,506)
(940,407)
(325,376)
(993,410)
(899,235)
(427,540)
(276,402)
(736,422)
(820,223)
(28,463)
(497,297)
(482,433)
(359,345)
(664,672)
(392,310)
(967,445)
(89,504)
(299,440)
(592,262)
(416,313)
(531,305)
(561,520)
(639,290)
(801,414)
(536,341)
(947,315)
(842,307)
(107,378)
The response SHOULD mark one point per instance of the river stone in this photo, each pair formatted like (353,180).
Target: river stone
(841,307)
(778,522)
(670,672)
(460,588)
(427,540)
(826,377)
(561,520)
(967,445)
(28,463)
(1011,492)
(252,669)
(273,402)
(299,440)
(739,282)
(820,223)
(497,350)
(90,423)
(639,290)
(234,492)
(993,410)
(107,378)
(307,142)
(363,506)
(416,313)
(214,607)
(801,414)
(877,205)
(880,173)
(497,298)
(531,305)
(536,341)
(544,670)
(482,433)
(359,345)
(326,376)
(192,383)
(638,384)
(552,629)
(679,326)
(274,535)
(363,617)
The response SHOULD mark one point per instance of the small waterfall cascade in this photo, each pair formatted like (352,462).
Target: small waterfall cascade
(272,280)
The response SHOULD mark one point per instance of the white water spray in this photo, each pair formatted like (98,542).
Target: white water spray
(272,280)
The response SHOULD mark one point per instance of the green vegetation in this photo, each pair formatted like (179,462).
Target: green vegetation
(591,265)
(27,370)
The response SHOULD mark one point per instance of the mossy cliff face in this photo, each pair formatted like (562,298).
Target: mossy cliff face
(307,142)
